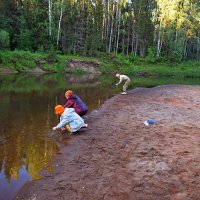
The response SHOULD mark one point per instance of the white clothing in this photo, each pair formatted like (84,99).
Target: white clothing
(122,78)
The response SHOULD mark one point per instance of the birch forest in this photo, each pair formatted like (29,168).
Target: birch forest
(160,28)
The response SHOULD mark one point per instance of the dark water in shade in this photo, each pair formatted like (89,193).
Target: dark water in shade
(27,117)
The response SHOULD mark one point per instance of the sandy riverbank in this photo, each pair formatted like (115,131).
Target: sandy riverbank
(118,158)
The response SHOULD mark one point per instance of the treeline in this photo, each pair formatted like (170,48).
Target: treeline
(153,28)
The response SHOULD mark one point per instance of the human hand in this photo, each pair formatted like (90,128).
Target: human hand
(63,129)
(54,128)
(116,84)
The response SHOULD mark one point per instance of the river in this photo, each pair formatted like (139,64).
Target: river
(27,117)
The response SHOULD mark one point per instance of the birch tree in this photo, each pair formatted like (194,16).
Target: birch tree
(111,28)
(59,23)
(170,27)
(50,16)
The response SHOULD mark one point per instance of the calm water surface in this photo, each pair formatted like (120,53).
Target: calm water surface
(27,117)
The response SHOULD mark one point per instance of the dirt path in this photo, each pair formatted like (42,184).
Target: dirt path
(119,158)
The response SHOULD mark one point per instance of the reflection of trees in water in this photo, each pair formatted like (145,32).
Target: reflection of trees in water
(87,78)
(38,158)
(1,156)
(26,118)
(34,154)
(30,83)
(27,141)
(94,98)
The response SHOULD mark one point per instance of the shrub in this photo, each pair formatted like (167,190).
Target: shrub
(4,40)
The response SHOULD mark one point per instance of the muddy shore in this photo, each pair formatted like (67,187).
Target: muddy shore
(119,158)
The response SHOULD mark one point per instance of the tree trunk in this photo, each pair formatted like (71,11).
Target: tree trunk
(118,29)
(142,47)
(136,45)
(116,26)
(198,47)
(132,43)
(59,23)
(108,25)
(102,30)
(159,42)
(111,30)
(185,49)
(123,38)
(50,17)
(127,47)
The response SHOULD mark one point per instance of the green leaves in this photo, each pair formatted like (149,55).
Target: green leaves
(4,40)
(85,26)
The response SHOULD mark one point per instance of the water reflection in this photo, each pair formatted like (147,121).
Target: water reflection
(7,190)
(25,146)
(27,117)
(87,78)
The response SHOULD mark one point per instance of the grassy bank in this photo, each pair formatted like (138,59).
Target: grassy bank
(110,63)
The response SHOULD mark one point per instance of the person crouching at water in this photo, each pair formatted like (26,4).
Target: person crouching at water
(69,119)
(126,84)
(74,101)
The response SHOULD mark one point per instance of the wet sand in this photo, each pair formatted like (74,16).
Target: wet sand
(119,158)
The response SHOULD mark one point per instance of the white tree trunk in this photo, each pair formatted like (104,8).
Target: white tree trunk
(59,23)
(118,29)
(159,42)
(198,47)
(50,16)
(111,30)
(115,30)
(102,30)
(108,23)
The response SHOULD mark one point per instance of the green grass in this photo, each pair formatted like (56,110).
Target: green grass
(183,69)
(109,63)
(153,81)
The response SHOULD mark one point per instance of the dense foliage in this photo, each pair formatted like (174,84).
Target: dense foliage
(153,28)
